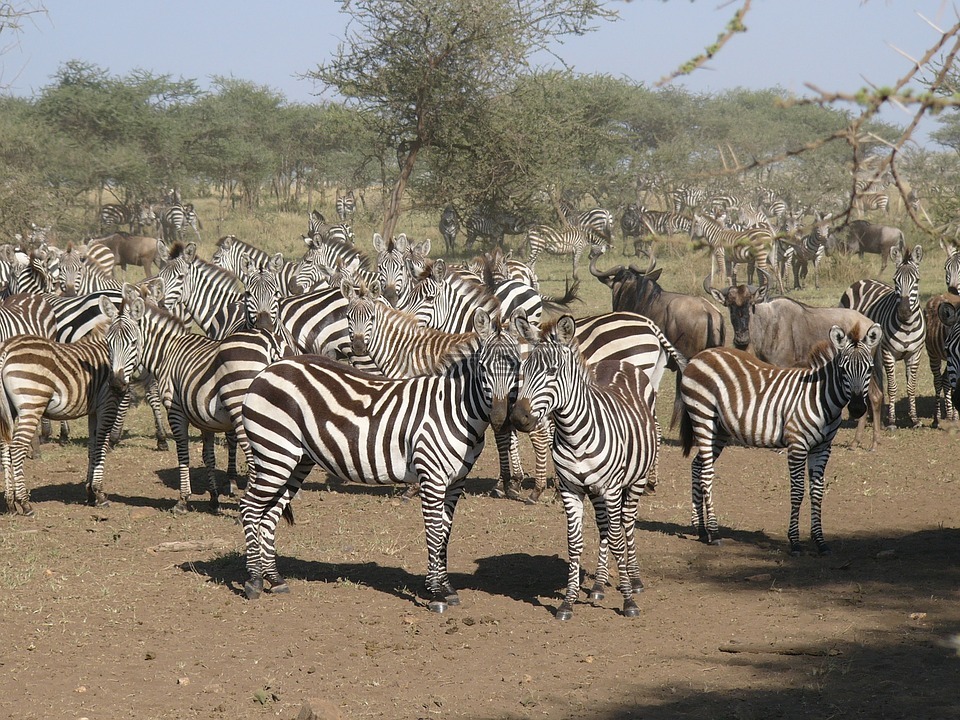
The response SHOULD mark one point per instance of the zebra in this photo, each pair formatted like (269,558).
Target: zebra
(728,396)
(947,314)
(60,381)
(449,227)
(567,241)
(605,445)
(316,223)
(811,248)
(78,276)
(29,273)
(113,215)
(951,267)
(346,205)
(687,197)
(388,431)
(655,223)
(392,269)
(174,218)
(935,342)
(491,226)
(212,296)
(631,225)
(598,220)
(728,247)
(202,381)
(898,311)
(230,251)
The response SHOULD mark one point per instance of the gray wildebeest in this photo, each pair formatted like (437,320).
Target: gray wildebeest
(132,250)
(783,332)
(690,323)
(866,237)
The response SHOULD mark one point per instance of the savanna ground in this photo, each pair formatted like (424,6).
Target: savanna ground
(104,617)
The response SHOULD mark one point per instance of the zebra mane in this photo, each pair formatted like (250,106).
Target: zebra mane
(820,355)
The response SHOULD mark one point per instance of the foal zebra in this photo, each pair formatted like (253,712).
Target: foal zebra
(899,313)
(605,444)
(387,431)
(727,396)
(566,241)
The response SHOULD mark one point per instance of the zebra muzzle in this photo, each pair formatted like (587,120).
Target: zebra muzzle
(522,416)
(857,407)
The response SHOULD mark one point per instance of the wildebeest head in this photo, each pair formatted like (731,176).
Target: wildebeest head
(742,302)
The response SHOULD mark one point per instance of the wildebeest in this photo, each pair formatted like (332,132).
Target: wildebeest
(132,250)
(690,323)
(866,237)
(783,332)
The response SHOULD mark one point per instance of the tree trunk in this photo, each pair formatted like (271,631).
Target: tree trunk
(392,213)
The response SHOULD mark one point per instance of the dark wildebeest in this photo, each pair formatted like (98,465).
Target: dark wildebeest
(783,332)
(866,237)
(132,250)
(690,323)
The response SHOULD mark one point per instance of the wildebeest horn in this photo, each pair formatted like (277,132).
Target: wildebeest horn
(765,275)
(602,275)
(707,286)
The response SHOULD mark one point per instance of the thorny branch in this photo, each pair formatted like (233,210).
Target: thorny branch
(733,27)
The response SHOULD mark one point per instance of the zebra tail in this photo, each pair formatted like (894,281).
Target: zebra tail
(681,413)
(6,412)
(287,514)
(561,303)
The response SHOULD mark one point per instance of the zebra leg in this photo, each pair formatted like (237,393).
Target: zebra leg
(817,464)
(8,478)
(267,498)
(704,517)
(95,419)
(796,462)
(438,501)
(541,437)
(602,576)
(938,390)
(25,433)
(889,369)
(116,429)
(573,508)
(179,428)
(233,475)
(210,464)
(153,398)
(912,365)
(631,503)
(614,532)
(64,433)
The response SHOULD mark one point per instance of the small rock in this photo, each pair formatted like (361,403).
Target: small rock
(886,554)
(762,577)
(183,681)
(81,689)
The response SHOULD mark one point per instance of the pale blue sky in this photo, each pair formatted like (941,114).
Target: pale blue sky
(834,44)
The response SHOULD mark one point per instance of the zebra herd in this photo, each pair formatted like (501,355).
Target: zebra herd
(388,366)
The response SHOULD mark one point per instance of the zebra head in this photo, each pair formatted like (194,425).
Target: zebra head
(855,356)
(498,364)
(70,272)
(392,268)
(906,280)
(951,267)
(429,301)
(361,313)
(176,273)
(261,291)
(547,371)
(123,336)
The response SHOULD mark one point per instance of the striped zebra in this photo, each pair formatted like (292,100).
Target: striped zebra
(502,266)
(113,215)
(346,205)
(174,218)
(392,269)
(28,273)
(491,226)
(654,223)
(951,267)
(947,313)
(605,445)
(598,220)
(202,381)
(566,241)
(727,396)
(687,198)
(388,431)
(899,313)
(212,296)
(316,223)
(59,381)
(230,251)
(79,276)
(810,248)
(729,247)
(449,227)
(935,342)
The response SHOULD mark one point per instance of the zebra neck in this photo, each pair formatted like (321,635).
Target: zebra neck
(157,330)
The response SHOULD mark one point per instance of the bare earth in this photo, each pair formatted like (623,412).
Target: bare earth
(105,617)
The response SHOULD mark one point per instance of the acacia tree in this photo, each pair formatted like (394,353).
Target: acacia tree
(414,67)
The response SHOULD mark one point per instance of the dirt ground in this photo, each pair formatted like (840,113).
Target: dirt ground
(104,618)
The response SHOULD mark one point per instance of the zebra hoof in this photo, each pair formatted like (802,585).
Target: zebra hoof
(823,549)
(564,612)
(252,589)
(437,604)
(280,588)
(101,500)
(162,446)
(796,550)
(596,593)
(630,608)
(181,508)
(636,585)
(452,598)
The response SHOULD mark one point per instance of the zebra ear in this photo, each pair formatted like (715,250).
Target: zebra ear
(246,266)
(137,309)
(276,263)
(347,289)
(424,248)
(226,242)
(108,308)
(374,289)
(482,323)
(896,255)
(873,336)
(163,252)
(524,328)
(947,313)
(567,330)
(129,292)
(154,288)
(378,244)
(190,252)
(838,337)
(400,242)
(917,254)
(439,269)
